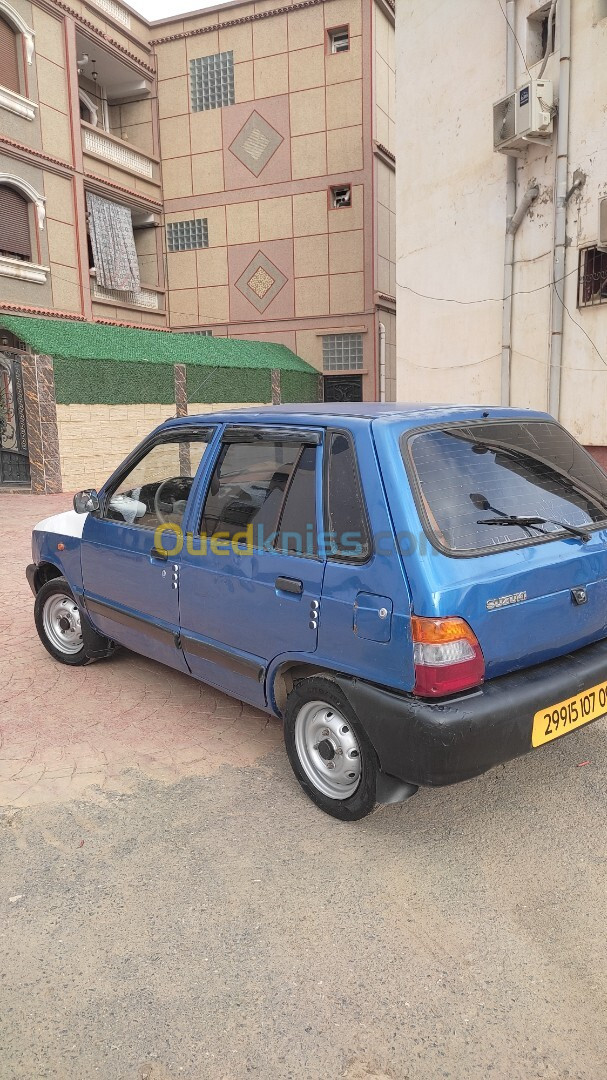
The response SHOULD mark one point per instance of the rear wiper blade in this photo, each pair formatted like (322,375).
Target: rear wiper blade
(534,522)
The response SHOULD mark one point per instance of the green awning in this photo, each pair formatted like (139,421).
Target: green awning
(69,340)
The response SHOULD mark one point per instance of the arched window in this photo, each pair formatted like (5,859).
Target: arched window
(9,62)
(15,238)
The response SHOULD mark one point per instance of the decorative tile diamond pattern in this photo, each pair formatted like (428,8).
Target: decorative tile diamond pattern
(256,143)
(187,235)
(212,81)
(342,352)
(261,282)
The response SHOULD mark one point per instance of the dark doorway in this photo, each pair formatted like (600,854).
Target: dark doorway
(14,460)
(343,388)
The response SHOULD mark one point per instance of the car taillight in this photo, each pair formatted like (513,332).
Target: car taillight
(447,656)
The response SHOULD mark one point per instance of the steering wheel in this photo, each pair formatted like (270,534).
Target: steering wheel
(163,515)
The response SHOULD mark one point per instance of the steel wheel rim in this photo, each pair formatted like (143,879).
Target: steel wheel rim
(328,750)
(61,622)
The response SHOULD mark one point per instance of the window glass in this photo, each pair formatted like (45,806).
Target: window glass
(472,476)
(248,488)
(156,490)
(346,517)
(298,532)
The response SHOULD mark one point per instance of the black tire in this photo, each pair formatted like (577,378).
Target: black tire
(363,800)
(48,595)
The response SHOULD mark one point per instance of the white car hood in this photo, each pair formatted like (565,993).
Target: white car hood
(68,524)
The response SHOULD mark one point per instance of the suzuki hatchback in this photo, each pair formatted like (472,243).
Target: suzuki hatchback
(418,592)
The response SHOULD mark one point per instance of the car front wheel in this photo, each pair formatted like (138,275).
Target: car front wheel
(329,752)
(57,618)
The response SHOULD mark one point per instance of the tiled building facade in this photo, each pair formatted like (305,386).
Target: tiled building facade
(252,146)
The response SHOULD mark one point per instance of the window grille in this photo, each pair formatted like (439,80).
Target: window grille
(592,277)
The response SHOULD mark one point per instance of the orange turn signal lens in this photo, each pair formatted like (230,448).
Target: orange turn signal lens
(440,631)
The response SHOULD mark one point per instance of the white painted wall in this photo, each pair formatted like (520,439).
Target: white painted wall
(451,190)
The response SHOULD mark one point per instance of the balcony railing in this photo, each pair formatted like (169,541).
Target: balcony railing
(144,297)
(115,10)
(117,152)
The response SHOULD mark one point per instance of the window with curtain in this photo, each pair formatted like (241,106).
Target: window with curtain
(9,62)
(113,244)
(15,240)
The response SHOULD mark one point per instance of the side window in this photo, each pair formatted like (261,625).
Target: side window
(10,57)
(155,491)
(298,530)
(346,518)
(248,489)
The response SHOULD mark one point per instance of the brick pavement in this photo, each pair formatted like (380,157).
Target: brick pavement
(64,732)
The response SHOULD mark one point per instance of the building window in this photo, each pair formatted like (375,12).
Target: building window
(187,235)
(15,241)
(342,352)
(212,81)
(339,39)
(592,277)
(537,35)
(9,62)
(341,197)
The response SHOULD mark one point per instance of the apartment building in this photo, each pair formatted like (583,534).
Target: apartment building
(228,173)
(502,208)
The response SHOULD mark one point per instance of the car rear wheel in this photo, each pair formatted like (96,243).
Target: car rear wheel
(57,618)
(329,752)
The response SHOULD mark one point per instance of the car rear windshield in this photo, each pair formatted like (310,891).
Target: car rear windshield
(471,478)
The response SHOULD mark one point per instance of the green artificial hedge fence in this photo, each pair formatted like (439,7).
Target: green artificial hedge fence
(98,364)
(105,382)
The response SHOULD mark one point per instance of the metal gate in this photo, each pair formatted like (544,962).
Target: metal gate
(14,460)
(343,387)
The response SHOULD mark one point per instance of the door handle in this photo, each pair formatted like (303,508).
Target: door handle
(289,584)
(157,554)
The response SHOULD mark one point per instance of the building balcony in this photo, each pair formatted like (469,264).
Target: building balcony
(122,155)
(148,296)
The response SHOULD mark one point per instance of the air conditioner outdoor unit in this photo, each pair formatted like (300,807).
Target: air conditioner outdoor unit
(524,116)
(602,244)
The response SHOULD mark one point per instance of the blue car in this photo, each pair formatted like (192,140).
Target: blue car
(418,592)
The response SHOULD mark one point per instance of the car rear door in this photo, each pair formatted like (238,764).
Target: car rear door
(251,577)
(131,585)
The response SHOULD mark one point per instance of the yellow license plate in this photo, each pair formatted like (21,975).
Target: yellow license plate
(558,719)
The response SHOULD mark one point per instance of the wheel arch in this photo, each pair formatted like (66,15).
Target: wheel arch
(45,571)
(289,673)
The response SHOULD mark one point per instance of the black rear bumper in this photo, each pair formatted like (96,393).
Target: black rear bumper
(443,742)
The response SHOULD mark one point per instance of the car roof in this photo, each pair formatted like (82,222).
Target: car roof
(327,414)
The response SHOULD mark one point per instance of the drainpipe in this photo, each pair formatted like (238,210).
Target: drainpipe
(530,195)
(382,362)
(560,215)
(510,210)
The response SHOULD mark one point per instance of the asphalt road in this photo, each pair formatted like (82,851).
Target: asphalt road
(182,910)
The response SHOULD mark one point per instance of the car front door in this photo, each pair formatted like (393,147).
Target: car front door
(251,578)
(131,586)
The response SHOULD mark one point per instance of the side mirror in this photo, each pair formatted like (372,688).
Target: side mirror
(86,501)
(479,501)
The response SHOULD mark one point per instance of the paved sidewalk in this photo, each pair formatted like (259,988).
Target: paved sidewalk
(172,907)
(63,731)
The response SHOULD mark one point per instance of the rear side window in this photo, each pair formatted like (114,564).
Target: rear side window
(297,531)
(471,478)
(346,518)
(263,494)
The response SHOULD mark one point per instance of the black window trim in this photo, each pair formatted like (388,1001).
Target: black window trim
(176,434)
(358,560)
(404,442)
(241,433)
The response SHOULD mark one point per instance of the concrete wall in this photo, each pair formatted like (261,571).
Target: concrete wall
(451,203)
